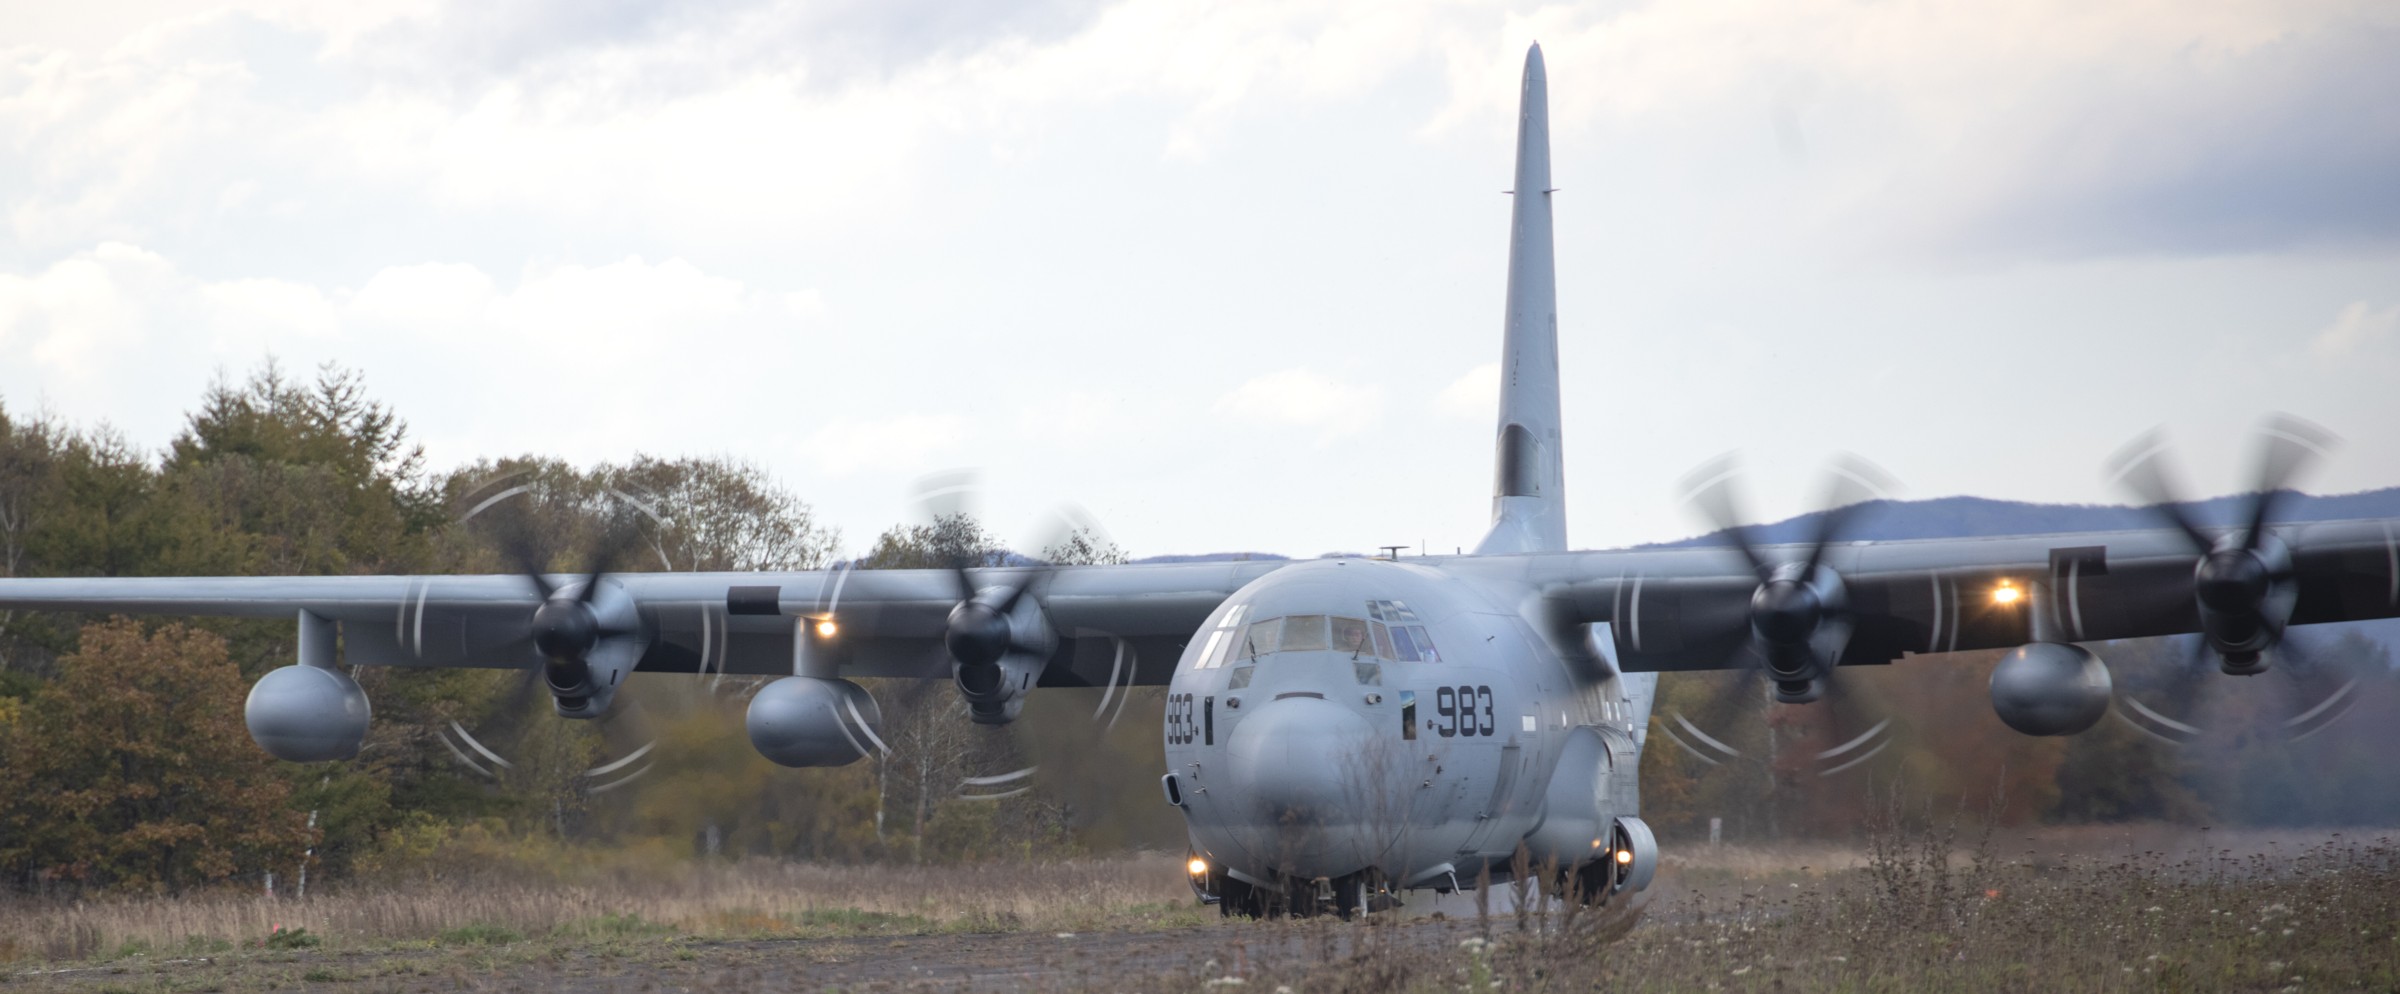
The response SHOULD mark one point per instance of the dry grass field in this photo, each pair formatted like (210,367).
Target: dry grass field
(2063,910)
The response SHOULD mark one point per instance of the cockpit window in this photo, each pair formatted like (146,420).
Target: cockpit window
(1303,632)
(1261,638)
(1403,638)
(1222,641)
(1350,635)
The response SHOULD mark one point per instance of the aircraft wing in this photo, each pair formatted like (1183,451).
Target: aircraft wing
(1669,608)
(886,622)
(1687,608)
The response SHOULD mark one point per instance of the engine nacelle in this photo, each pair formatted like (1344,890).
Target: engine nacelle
(2245,597)
(1634,852)
(995,691)
(1576,808)
(2050,688)
(808,721)
(307,714)
(996,694)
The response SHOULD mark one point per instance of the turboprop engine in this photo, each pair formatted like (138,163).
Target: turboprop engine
(999,642)
(589,636)
(307,714)
(2050,688)
(809,721)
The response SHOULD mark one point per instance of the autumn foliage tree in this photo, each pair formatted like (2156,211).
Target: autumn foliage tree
(132,770)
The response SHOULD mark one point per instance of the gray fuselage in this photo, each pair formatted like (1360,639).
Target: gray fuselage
(1358,714)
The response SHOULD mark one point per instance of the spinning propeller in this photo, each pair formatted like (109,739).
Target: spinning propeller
(1799,614)
(571,622)
(2242,582)
(1001,645)
(1796,622)
(2244,589)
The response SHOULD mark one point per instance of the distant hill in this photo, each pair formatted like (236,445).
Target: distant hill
(1216,557)
(1975,517)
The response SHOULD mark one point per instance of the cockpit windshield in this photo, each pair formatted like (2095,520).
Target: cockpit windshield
(1391,632)
(1304,632)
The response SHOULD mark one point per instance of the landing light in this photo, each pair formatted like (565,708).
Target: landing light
(1197,867)
(1624,856)
(827,629)
(2006,594)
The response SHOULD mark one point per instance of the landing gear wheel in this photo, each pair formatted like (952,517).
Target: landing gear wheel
(1592,882)
(1235,898)
(1300,898)
(1349,895)
(1364,892)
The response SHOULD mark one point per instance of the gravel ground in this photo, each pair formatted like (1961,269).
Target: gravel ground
(965,962)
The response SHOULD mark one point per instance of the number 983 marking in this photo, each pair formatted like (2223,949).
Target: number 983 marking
(1181,729)
(1463,711)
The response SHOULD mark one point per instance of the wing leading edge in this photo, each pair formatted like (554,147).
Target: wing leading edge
(884,622)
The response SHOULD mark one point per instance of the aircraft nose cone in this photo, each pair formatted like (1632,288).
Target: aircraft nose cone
(1303,760)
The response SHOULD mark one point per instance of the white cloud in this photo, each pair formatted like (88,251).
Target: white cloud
(908,442)
(1475,396)
(76,316)
(807,305)
(119,332)
(115,295)
(2358,329)
(431,297)
(629,303)
(1072,417)
(247,313)
(2049,128)
(707,126)
(1301,398)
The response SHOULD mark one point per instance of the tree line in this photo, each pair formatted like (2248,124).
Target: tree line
(123,759)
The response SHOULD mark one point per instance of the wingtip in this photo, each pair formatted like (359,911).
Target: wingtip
(1533,62)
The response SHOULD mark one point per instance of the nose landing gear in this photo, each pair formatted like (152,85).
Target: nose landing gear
(1366,892)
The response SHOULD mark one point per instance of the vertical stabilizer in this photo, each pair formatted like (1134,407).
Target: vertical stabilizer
(1529,478)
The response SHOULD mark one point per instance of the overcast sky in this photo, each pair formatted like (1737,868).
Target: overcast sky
(1227,273)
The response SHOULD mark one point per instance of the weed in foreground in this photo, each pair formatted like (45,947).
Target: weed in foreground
(755,899)
(480,934)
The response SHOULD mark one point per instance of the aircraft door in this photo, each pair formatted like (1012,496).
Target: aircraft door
(1500,806)
(1467,740)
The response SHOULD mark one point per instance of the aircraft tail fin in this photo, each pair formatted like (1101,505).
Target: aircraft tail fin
(1529,478)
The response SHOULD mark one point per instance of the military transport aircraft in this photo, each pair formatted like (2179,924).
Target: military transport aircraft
(1340,732)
